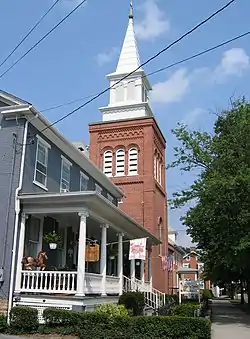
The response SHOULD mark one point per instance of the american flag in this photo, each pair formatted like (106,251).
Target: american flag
(167,262)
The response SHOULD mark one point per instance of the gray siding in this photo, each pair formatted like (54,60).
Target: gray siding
(54,169)
(10,160)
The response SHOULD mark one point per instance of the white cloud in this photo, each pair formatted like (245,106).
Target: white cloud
(173,89)
(235,62)
(106,57)
(191,118)
(154,22)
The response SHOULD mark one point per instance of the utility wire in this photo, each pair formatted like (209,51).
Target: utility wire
(28,34)
(43,38)
(143,64)
(158,70)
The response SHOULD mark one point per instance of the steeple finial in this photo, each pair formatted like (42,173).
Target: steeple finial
(131,14)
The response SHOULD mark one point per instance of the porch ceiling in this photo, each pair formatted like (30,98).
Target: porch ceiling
(74,202)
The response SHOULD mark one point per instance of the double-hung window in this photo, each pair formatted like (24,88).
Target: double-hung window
(84,182)
(41,166)
(65,175)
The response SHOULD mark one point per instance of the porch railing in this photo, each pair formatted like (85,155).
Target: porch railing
(57,282)
(48,282)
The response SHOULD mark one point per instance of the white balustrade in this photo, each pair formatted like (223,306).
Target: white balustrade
(112,284)
(55,282)
(48,282)
(93,283)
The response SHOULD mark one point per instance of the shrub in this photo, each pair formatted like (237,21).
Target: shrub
(143,327)
(23,319)
(134,301)
(186,310)
(207,294)
(3,323)
(112,310)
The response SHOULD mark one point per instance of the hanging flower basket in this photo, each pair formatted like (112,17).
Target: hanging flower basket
(53,246)
(54,240)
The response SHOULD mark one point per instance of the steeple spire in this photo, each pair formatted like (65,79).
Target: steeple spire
(131,14)
(129,57)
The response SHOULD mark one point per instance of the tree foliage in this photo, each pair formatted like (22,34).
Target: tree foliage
(219,222)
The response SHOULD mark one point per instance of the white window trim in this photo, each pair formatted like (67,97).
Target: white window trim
(110,198)
(129,161)
(85,176)
(47,146)
(116,162)
(67,162)
(109,175)
(43,141)
(98,188)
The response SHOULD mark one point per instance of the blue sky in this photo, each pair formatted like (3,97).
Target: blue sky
(73,61)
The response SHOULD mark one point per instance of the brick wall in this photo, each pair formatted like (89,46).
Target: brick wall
(145,200)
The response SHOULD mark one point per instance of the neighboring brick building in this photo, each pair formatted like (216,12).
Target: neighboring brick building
(175,260)
(129,147)
(192,260)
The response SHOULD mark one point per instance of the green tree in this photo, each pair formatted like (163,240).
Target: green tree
(219,222)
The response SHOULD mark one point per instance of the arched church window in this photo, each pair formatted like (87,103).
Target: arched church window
(131,90)
(108,163)
(133,161)
(120,162)
(155,166)
(119,93)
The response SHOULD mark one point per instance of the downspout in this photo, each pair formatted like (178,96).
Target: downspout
(17,212)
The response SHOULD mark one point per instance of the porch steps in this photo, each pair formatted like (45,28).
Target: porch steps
(153,297)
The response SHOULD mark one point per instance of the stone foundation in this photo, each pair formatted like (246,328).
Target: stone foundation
(3,306)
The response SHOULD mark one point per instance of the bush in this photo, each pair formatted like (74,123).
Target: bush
(96,325)
(134,301)
(112,310)
(23,319)
(207,294)
(186,310)
(143,327)
(3,323)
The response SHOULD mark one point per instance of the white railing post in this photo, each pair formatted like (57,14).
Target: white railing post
(142,275)
(132,274)
(150,269)
(81,253)
(20,252)
(120,262)
(103,264)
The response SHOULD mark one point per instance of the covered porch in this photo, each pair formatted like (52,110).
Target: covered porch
(82,219)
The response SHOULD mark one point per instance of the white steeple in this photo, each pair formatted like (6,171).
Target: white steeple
(129,98)
(129,58)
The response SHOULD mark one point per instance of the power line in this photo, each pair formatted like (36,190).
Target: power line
(143,64)
(43,38)
(30,31)
(158,70)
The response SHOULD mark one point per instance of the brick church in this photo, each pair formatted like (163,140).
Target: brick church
(129,147)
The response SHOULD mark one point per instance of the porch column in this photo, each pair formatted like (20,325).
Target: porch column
(142,275)
(132,273)
(150,268)
(81,253)
(20,252)
(120,262)
(103,264)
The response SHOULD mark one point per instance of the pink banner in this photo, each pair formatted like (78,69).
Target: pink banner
(137,249)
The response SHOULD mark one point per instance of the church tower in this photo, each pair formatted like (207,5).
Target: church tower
(129,147)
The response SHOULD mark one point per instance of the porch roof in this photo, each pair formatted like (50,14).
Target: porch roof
(99,206)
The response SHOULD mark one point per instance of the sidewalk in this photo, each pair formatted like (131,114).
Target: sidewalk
(229,322)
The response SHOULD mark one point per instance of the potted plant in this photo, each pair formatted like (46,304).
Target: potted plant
(112,252)
(53,239)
